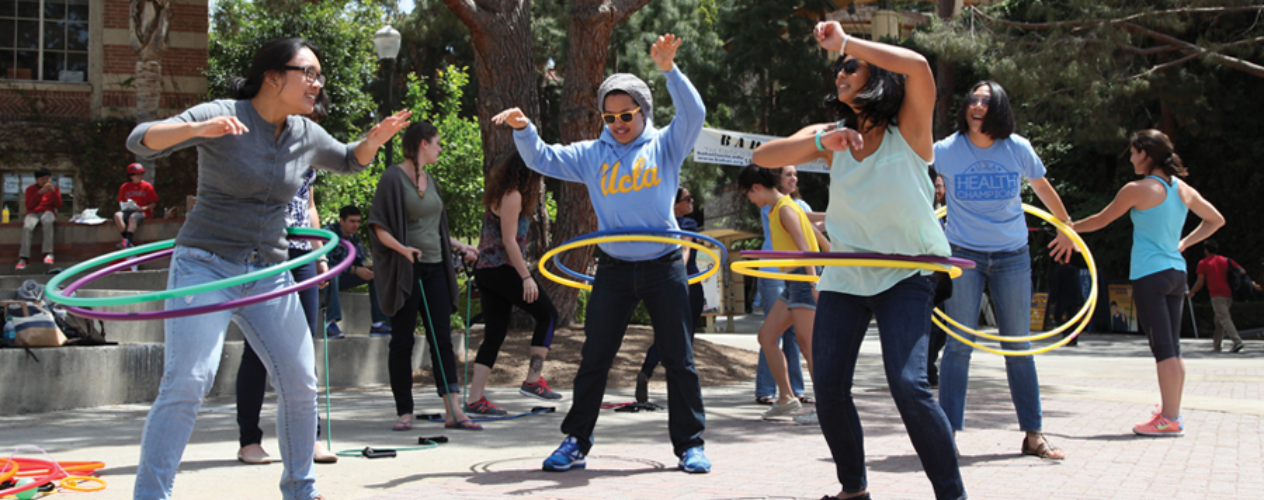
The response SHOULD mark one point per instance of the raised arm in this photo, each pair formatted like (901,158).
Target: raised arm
(551,160)
(680,135)
(1127,198)
(797,149)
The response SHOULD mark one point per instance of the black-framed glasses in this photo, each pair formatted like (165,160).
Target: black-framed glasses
(310,73)
(625,116)
(848,66)
(976,100)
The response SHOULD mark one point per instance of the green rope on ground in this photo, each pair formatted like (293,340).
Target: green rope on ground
(469,292)
(329,422)
(434,343)
(359,452)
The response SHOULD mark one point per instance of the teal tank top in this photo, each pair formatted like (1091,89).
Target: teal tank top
(882,204)
(1156,234)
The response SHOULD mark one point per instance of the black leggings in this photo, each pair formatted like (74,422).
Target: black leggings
(1158,297)
(502,290)
(399,360)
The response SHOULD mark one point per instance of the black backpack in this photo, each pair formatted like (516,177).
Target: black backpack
(1239,283)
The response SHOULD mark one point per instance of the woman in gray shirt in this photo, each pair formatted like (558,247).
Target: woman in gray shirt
(252,153)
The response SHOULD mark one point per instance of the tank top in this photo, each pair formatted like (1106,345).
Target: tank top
(296,214)
(491,245)
(781,239)
(881,204)
(1156,234)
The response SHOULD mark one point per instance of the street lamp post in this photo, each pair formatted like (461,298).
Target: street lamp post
(386,40)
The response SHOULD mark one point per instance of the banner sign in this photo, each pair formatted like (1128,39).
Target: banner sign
(725,147)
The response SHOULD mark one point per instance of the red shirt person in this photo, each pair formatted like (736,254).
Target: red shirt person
(42,201)
(1213,271)
(140,192)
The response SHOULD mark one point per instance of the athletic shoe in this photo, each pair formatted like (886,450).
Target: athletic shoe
(642,387)
(808,419)
(565,457)
(48,259)
(1237,347)
(122,244)
(539,390)
(485,408)
(380,329)
(332,331)
(1161,427)
(694,461)
(781,409)
(21,265)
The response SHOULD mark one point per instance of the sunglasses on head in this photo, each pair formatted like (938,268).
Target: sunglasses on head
(975,100)
(849,66)
(625,116)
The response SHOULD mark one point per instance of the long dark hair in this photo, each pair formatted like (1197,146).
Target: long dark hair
(274,56)
(512,174)
(415,133)
(879,100)
(1159,148)
(998,123)
(755,174)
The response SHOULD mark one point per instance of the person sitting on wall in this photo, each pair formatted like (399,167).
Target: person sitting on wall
(348,228)
(140,193)
(42,201)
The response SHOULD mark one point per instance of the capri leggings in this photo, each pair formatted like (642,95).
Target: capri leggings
(1159,297)
(502,290)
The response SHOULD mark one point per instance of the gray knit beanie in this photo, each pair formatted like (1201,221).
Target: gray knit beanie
(634,86)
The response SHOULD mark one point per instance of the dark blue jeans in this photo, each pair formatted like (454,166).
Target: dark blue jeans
(619,286)
(903,314)
(347,281)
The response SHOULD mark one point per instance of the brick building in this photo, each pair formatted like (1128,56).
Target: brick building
(73,60)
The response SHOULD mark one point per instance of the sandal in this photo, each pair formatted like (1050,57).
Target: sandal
(806,400)
(1045,450)
(403,426)
(464,425)
(765,400)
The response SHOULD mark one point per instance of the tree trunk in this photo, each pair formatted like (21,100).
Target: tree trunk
(945,118)
(591,24)
(148,90)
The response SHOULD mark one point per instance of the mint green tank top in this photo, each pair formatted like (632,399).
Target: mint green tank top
(1156,234)
(882,204)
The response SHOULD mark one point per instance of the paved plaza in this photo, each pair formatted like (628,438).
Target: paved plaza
(1093,394)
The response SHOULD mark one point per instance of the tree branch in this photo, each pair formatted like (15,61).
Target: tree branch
(625,8)
(1163,66)
(1216,57)
(1118,21)
(467,12)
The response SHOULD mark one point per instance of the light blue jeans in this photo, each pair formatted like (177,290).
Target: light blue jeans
(1008,276)
(765,384)
(276,329)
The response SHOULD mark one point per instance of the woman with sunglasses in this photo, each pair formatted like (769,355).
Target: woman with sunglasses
(880,202)
(253,151)
(632,172)
(983,165)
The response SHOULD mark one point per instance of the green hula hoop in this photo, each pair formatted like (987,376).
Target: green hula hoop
(53,294)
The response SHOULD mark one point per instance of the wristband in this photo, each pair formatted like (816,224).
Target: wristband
(842,49)
(323,259)
(819,147)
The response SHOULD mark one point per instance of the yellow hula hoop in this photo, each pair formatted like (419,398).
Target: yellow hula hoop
(73,483)
(751,267)
(1081,318)
(623,238)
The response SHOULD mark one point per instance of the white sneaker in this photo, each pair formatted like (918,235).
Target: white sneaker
(809,419)
(780,409)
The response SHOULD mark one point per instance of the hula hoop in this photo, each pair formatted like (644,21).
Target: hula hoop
(10,470)
(54,295)
(45,466)
(950,265)
(645,235)
(1081,318)
(72,483)
(178,313)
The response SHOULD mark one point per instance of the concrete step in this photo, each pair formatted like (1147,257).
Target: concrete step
(155,279)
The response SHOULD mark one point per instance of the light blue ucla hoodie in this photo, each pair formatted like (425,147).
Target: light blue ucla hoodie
(631,185)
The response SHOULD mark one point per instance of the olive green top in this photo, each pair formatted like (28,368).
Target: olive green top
(423,220)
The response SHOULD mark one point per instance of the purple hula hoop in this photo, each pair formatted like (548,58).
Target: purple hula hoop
(772,254)
(179,313)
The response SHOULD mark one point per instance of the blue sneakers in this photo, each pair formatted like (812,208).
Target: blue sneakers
(567,457)
(694,461)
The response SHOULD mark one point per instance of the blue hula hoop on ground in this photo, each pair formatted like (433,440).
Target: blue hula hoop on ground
(724,253)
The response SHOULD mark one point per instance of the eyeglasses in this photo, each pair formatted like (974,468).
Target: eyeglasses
(310,73)
(849,66)
(976,100)
(688,198)
(625,117)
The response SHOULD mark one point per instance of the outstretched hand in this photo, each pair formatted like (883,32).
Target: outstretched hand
(830,35)
(384,131)
(842,139)
(512,116)
(664,51)
(1062,248)
(219,126)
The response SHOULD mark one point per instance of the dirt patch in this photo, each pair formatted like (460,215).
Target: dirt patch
(717,364)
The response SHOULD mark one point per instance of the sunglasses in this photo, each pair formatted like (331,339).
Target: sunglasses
(975,100)
(688,198)
(849,66)
(625,117)
(310,73)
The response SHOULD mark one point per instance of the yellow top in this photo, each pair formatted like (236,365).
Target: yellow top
(781,240)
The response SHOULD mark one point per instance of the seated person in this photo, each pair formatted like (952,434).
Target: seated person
(42,201)
(348,227)
(143,195)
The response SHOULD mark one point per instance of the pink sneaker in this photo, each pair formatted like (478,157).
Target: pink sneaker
(1161,427)
(21,265)
(48,259)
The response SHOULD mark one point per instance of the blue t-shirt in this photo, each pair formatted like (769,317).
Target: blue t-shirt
(985,209)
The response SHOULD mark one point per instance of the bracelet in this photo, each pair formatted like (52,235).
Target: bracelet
(819,147)
(842,49)
(323,259)
(527,277)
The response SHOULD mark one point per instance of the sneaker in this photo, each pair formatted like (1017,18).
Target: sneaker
(122,244)
(1237,347)
(694,461)
(48,259)
(565,457)
(539,390)
(642,388)
(786,408)
(808,419)
(379,329)
(1161,427)
(485,408)
(21,265)
(332,331)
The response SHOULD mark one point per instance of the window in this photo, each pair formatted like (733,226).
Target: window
(44,40)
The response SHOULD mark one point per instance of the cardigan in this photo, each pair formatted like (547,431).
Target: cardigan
(392,271)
